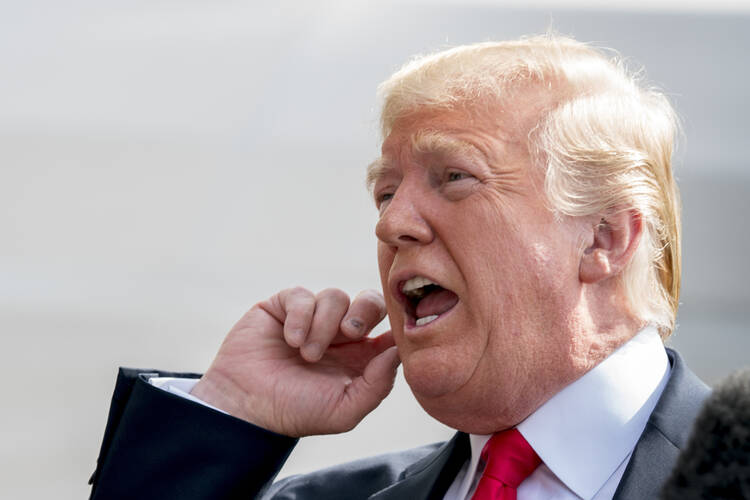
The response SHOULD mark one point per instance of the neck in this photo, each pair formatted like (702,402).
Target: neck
(603,322)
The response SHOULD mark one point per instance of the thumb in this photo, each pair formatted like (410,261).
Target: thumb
(380,373)
(365,393)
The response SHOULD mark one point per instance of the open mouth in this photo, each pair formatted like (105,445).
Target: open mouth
(425,300)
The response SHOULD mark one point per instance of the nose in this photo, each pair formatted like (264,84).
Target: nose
(401,222)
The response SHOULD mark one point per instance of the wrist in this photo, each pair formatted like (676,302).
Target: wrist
(218,392)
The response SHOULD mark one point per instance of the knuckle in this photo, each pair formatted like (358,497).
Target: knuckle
(260,306)
(372,299)
(299,298)
(334,294)
(371,296)
(299,292)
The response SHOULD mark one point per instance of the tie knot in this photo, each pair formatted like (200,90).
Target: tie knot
(509,458)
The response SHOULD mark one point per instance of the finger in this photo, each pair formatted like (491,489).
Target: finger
(298,305)
(358,353)
(331,305)
(366,311)
(365,393)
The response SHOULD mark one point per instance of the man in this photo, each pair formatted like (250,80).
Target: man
(529,258)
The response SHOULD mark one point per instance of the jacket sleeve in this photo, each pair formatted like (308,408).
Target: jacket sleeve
(159,445)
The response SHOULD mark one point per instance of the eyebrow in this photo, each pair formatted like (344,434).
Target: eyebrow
(439,143)
(427,142)
(376,170)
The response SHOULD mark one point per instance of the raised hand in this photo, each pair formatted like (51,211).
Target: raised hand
(300,364)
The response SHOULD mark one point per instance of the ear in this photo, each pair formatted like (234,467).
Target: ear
(616,238)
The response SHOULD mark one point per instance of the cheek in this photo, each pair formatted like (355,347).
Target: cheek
(494,251)
(544,265)
(515,264)
(385,259)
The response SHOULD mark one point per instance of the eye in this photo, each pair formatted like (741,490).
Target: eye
(381,199)
(456,184)
(384,197)
(456,175)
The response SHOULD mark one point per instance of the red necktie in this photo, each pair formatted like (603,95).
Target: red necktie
(510,460)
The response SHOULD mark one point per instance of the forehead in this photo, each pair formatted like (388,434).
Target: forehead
(449,134)
(422,141)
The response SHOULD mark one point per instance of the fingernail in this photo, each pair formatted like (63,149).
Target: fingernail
(313,350)
(356,324)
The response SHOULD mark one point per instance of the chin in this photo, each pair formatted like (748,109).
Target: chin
(465,417)
(432,376)
(469,415)
(451,397)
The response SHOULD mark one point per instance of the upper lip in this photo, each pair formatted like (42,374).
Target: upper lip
(397,282)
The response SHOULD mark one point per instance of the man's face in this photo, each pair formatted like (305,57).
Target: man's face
(480,279)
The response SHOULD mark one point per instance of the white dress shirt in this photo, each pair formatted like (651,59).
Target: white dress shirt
(584,434)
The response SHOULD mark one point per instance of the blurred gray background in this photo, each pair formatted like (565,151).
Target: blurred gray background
(166,164)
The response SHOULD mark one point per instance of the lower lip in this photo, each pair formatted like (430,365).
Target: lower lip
(411,327)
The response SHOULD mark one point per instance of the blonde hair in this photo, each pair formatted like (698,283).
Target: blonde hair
(604,140)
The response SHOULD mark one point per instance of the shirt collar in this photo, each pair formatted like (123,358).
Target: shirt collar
(584,432)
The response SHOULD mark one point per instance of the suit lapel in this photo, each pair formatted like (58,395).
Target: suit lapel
(665,434)
(430,477)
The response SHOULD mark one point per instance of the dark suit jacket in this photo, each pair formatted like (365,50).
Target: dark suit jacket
(158,445)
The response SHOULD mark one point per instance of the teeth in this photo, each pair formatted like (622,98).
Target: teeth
(426,319)
(416,283)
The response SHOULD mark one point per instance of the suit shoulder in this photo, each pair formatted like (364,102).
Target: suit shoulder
(365,476)
(680,402)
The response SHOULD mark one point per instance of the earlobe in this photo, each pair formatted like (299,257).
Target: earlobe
(615,239)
